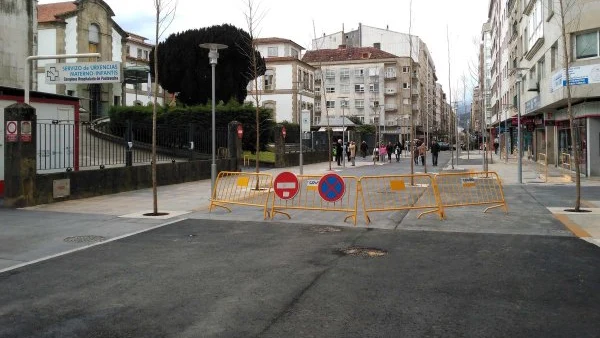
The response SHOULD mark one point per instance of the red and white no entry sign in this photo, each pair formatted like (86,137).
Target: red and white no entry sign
(286,185)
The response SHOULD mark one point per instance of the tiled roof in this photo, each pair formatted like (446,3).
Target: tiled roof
(346,54)
(265,41)
(49,12)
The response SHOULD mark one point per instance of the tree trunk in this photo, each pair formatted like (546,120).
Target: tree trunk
(574,144)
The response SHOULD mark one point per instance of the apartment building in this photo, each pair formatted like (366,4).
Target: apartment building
(528,76)
(18,38)
(366,82)
(288,84)
(422,82)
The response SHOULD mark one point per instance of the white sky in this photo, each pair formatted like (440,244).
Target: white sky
(294,20)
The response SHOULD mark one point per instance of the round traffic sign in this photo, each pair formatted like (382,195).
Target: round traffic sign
(332,187)
(286,185)
(11,127)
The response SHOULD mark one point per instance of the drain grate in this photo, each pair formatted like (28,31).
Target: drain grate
(324,230)
(85,239)
(363,252)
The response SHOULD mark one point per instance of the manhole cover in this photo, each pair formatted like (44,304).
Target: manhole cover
(363,252)
(85,239)
(323,230)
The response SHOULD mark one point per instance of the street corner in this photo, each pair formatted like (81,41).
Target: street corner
(584,224)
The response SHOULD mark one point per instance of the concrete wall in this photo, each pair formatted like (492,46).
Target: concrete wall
(89,183)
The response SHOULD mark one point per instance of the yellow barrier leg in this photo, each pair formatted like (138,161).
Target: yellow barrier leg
(438,211)
(496,206)
(353,216)
(273,212)
(213,204)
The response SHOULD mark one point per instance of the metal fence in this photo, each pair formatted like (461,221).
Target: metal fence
(66,145)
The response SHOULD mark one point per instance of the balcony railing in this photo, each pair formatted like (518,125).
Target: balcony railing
(391,107)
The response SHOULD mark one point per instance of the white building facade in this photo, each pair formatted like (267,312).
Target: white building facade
(18,38)
(137,69)
(288,84)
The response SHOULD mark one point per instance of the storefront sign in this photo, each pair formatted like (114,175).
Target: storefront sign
(83,72)
(532,104)
(580,75)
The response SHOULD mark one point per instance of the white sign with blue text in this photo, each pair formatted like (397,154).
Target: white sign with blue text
(578,75)
(83,72)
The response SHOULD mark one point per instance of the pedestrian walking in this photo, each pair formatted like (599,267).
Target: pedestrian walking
(352,148)
(398,151)
(435,150)
(422,152)
(339,152)
(348,151)
(375,153)
(363,149)
(416,153)
(496,145)
(390,150)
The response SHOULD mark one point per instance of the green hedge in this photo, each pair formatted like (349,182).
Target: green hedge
(201,117)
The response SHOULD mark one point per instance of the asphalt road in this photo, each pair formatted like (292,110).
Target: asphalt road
(203,278)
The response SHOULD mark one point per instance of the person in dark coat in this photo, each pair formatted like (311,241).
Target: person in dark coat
(339,152)
(390,149)
(435,150)
(363,149)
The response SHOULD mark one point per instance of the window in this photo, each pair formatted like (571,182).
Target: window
(374,87)
(540,68)
(139,53)
(317,105)
(390,72)
(146,55)
(586,45)
(359,104)
(405,69)
(269,79)
(359,88)
(374,103)
(330,104)
(359,72)
(329,89)
(116,100)
(70,92)
(295,53)
(344,103)
(330,74)
(317,120)
(553,56)
(127,50)
(345,88)
(272,52)
(406,85)
(93,38)
(344,74)
(535,27)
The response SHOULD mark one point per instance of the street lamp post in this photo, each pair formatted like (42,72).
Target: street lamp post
(344,145)
(213,55)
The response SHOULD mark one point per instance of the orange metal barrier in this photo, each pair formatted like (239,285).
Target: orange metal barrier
(400,192)
(471,189)
(308,198)
(238,188)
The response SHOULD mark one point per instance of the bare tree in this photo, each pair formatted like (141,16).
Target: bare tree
(165,14)
(567,8)
(254,15)
(324,94)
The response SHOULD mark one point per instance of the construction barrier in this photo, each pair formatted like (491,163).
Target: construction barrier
(471,189)
(542,166)
(400,192)
(239,188)
(307,197)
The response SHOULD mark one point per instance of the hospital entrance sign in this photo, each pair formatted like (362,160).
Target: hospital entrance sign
(83,72)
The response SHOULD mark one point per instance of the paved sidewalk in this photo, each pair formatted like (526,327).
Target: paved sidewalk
(560,192)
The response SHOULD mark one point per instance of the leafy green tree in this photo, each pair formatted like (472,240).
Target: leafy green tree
(183,66)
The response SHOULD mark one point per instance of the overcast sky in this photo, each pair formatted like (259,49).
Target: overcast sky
(294,20)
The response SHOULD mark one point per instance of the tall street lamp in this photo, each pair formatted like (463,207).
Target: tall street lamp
(519,135)
(213,55)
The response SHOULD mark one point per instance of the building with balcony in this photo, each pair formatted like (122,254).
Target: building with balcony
(528,76)
(288,85)
(138,86)
(417,91)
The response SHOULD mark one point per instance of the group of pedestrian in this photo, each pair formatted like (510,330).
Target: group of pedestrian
(420,152)
(348,149)
(380,151)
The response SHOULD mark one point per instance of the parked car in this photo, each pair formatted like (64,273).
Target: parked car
(444,145)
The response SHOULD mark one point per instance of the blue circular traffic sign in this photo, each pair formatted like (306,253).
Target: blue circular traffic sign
(331,187)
